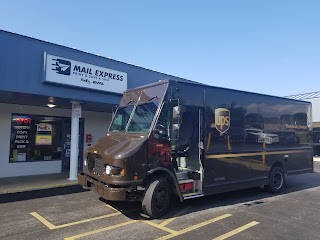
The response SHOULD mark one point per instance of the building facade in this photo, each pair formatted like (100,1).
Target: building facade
(56,101)
(48,92)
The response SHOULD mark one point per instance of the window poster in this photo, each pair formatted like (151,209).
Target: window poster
(44,134)
(21,128)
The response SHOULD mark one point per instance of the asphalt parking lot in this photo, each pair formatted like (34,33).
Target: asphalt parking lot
(72,213)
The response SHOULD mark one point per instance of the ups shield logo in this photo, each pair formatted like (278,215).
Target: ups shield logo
(222,119)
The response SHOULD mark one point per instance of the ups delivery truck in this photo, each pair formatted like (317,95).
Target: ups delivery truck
(185,139)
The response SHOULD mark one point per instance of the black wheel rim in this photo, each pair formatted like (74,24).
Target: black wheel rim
(277,180)
(161,199)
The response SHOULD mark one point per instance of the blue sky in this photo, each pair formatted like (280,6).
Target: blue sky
(270,47)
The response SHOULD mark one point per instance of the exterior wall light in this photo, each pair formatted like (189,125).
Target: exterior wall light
(51,105)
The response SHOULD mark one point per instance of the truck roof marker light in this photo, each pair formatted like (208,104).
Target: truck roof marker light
(135,177)
(95,151)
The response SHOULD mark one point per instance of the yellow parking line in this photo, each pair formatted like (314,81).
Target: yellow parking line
(112,208)
(194,227)
(88,220)
(166,222)
(160,227)
(236,231)
(44,221)
(52,226)
(100,230)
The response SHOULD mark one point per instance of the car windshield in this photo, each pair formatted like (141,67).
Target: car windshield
(142,117)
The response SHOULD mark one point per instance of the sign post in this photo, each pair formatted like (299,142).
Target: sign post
(74,152)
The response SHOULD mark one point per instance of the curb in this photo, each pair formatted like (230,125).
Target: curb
(27,189)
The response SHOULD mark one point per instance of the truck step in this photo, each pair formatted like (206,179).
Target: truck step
(182,175)
(192,195)
(188,174)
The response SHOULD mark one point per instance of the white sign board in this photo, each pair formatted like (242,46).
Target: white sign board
(70,72)
(76,110)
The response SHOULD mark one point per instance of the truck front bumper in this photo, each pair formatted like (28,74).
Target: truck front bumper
(109,193)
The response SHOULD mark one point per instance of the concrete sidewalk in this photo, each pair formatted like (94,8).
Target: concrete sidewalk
(37,182)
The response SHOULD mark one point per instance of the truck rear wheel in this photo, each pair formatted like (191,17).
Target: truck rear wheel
(156,200)
(276,180)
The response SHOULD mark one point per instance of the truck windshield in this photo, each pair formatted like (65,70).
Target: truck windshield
(121,118)
(137,109)
(143,117)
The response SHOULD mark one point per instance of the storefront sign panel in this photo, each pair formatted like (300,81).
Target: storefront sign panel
(74,73)
(43,140)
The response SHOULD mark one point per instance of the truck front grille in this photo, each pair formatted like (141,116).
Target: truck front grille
(95,163)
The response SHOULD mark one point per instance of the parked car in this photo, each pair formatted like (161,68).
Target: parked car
(255,135)
(288,137)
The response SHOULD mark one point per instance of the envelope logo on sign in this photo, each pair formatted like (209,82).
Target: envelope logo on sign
(62,66)
(222,119)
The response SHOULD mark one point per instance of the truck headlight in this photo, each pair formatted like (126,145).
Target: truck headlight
(113,170)
(108,169)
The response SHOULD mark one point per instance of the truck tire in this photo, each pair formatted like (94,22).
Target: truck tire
(276,180)
(157,197)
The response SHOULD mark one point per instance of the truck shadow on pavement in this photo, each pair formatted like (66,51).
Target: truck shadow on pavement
(34,194)
(249,197)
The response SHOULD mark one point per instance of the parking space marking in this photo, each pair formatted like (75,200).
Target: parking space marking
(160,227)
(166,222)
(236,231)
(100,230)
(44,221)
(177,233)
(52,226)
(112,208)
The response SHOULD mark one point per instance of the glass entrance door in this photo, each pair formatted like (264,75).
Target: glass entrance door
(66,143)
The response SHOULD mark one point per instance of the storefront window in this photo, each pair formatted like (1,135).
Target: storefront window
(35,138)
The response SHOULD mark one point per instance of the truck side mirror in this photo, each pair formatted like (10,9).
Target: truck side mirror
(176,109)
(161,134)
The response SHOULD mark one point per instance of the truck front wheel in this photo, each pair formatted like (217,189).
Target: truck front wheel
(156,200)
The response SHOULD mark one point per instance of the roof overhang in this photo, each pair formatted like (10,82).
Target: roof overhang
(42,101)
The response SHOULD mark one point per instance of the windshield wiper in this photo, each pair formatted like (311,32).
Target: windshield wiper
(156,97)
(131,101)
